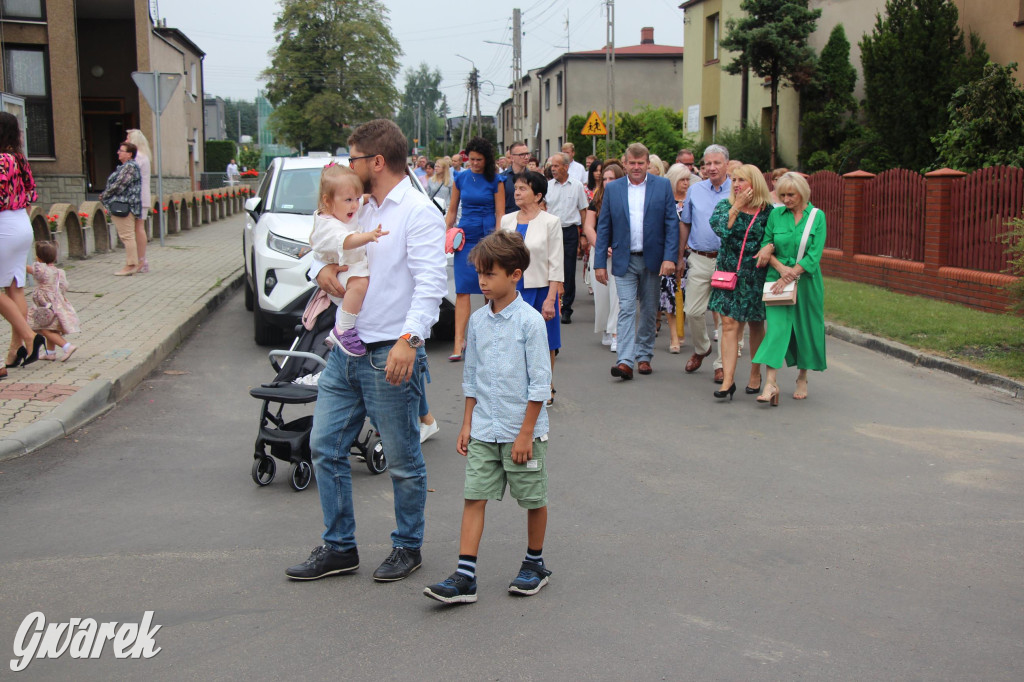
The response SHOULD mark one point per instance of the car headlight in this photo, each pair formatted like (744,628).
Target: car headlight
(288,247)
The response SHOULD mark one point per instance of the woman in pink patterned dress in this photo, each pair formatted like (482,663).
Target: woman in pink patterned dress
(17,191)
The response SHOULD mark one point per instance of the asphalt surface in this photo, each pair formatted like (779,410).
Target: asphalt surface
(872,532)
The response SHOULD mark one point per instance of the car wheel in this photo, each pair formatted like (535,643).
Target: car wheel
(263,333)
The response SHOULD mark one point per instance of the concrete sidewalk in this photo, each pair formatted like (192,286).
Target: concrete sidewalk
(129,325)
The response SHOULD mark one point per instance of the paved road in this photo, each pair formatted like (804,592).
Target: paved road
(874,532)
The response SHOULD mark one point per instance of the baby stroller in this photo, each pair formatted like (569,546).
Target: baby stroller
(288,441)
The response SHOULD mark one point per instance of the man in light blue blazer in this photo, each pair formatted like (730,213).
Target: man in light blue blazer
(638,221)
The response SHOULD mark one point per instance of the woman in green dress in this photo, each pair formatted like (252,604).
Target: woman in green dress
(748,206)
(796,333)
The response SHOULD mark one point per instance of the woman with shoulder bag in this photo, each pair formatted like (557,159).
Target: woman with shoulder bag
(123,198)
(738,281)
(542,283)
(793,243)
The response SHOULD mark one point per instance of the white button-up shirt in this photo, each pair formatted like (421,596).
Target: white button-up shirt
(566,200)
(635,195)
(578,172)
(408,275)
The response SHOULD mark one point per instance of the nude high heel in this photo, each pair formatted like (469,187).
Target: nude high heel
(770,395)
(801,390)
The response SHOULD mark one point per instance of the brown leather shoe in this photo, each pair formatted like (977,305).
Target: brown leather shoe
(719,375)
(694,363)
(644,367)
(622,371)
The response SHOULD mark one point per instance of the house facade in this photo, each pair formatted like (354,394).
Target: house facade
(714,98)
(72,63)
(647,74)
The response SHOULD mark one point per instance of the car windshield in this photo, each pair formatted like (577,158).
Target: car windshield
(296,191)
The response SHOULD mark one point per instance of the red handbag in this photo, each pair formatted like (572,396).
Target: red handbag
(720,279)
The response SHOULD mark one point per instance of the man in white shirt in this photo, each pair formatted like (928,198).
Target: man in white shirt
(567,199)
(232,173)
(638,221)
(407,282)
(577,171)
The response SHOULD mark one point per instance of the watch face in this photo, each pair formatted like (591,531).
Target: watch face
(415,341)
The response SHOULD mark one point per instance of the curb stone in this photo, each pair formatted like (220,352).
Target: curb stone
(100,395)
(919,358)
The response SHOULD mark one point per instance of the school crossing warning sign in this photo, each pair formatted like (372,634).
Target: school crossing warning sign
(594,126)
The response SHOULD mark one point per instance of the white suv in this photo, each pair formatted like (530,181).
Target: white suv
(275,245)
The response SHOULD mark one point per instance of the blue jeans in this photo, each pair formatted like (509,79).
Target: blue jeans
(350,389)
(638,292)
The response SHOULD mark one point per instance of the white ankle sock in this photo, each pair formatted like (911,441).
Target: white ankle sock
(345,321)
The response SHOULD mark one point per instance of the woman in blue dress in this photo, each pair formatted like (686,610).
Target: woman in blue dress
(482,196)
(542,282)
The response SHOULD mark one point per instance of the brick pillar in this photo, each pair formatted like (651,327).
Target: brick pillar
(853,211)
(938,218)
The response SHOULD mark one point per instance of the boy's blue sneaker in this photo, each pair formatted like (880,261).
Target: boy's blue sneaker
(531,578)
(455,589)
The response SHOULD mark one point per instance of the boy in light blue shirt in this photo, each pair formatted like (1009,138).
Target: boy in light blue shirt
(504,434)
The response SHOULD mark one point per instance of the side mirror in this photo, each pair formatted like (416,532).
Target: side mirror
(252,206)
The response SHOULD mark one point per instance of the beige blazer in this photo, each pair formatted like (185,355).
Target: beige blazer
(544,240)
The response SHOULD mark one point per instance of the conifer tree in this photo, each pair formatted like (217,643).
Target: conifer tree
(828,108)
(771,41)
(913,62)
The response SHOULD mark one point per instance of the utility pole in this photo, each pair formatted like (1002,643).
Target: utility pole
(517,76)
(476,96)
(609,59)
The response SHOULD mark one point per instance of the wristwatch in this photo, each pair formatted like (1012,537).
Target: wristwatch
(413,341)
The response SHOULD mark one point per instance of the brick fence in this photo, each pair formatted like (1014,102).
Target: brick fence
(934,235)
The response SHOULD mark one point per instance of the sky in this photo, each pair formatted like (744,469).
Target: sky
(237,38)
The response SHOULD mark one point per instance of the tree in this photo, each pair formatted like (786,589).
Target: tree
(334,67)
(422,100)
(913,62)
(660,129)
(232,109)
(771,41)
(986,122)
(828,109)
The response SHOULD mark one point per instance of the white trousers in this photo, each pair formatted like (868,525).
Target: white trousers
(698,292)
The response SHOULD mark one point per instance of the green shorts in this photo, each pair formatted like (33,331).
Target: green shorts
(490,465)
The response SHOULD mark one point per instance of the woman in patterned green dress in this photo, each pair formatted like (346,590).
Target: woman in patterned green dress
(749,204)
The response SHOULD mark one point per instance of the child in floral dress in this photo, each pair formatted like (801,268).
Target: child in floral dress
(51,314)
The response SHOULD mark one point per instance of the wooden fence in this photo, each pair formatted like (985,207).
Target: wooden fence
(934,235)
(982,203)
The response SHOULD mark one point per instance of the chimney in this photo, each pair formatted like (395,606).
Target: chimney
(647,35)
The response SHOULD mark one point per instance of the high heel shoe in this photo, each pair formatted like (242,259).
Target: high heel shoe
(37,343)
(770,395)
(751,391)
(727,392)
(19,357)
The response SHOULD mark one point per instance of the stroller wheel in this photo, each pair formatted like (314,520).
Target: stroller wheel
(376,461)
(302,474)
(263,470)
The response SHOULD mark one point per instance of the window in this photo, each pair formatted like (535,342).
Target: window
(26,70)
(558,88)
(526,103)
(547,149)
(194,89)
(22,9)
(559,142)
(711,38)
(547,94)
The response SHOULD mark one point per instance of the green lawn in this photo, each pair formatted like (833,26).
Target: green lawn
(989,341)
